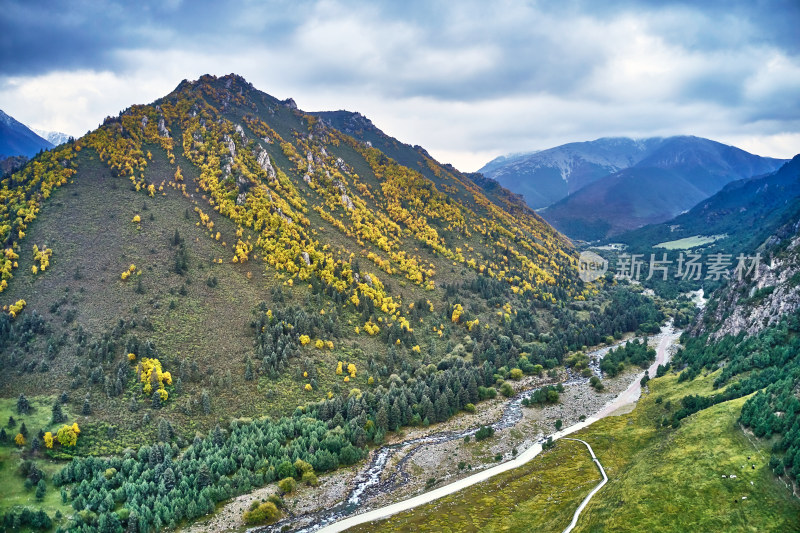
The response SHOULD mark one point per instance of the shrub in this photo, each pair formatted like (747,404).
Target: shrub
(484,433)
(264,513)
(487,393)
(516,373)
(287,485)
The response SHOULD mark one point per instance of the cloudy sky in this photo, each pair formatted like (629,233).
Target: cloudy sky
(466,80)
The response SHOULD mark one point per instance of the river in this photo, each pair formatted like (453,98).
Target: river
(368,483)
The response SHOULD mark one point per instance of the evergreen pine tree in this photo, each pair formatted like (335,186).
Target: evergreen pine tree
(87,406)
(58,414)
(23,406)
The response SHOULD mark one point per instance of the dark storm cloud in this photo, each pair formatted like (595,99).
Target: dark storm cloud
(463,77)
(41,36)
(496,48)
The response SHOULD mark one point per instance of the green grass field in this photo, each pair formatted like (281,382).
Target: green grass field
(533,494)
(14,492)
(689,242)
(660,479)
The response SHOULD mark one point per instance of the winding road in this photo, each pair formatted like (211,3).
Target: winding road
(627,397)
(580,508)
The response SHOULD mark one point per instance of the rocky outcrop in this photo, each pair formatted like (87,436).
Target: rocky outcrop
(230,144)
(162,128)
(240,131)
(754,303)
(266,165)
(347,202)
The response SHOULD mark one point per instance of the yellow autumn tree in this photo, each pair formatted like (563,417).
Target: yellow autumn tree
(457,311)
(20,439)
(48,440)
(67,435)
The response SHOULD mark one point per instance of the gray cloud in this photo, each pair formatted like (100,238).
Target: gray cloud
(465,79)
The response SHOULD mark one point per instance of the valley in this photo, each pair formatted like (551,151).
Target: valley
(224,313)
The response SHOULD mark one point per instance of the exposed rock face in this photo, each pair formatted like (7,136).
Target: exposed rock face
(306,258)
(263,161)
(290,103)
(348,203)
(162,128)
(144,123)
(240,131)
(230,144)
(344,167)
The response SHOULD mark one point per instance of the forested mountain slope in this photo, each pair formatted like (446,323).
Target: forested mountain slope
(745,213)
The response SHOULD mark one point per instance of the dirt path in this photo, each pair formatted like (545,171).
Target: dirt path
(577,514)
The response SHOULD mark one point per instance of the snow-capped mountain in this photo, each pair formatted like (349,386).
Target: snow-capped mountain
(55,137)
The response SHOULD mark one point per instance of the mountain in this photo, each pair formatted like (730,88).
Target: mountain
(53,137)
(546,176)
(249,246)
(745,213)
(18,139)
(676,175)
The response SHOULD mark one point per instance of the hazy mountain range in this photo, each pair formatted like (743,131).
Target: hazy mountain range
(597,189)
(747,212)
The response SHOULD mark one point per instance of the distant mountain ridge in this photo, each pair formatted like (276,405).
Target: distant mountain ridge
(17,139)
(546,176)
(605,187)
